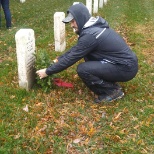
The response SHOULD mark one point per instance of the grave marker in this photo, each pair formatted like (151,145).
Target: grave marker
(89,5)
(59,31)
(95,7)
(101,3)
(22,1)
(76,3)
(105,2)
(25,49)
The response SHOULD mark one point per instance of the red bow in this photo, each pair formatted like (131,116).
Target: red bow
(61,83)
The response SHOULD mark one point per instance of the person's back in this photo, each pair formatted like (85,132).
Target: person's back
(109,44)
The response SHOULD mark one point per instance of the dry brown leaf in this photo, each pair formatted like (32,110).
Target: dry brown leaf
(12,97)
(148,121)
(43,129)
(26,108)
(123,131)
(104,115)
(139,142)
(137,126)
(77,140)
(117,117)
(116,138)
(17,136)
(91,132)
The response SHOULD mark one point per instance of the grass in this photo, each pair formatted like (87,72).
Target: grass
(65,120)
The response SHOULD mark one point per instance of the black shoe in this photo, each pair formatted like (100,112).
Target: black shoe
(117,94)
(118,86)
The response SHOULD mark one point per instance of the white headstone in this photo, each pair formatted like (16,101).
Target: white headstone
(22,1)
(25,49)
(89,5)
(76,3)
(95,7)
(101,3)
(59,31)
(105,2)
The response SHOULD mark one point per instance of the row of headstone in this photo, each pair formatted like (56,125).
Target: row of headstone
(93,5)
(25,45)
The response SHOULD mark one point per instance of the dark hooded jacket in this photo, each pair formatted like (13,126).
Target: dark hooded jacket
(96,42)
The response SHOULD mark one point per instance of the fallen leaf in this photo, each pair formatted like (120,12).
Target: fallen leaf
(43,129)
(104,115)
(116,138)
(12,97)
(91,131)
(17,136)
(117,117)
(26,108)
(77,140)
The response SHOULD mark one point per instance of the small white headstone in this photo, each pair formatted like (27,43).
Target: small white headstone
(95,7)
(89,5)
(76,3)
(101,3)
(22,1)
(25,49)
(59,31)
(105,2)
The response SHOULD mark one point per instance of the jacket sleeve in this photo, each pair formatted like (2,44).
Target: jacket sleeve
(85,44)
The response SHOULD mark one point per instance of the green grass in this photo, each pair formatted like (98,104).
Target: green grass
(65,120)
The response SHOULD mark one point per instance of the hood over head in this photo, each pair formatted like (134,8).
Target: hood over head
(97,22)
(80,14)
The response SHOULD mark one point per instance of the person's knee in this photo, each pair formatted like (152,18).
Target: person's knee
(80,69)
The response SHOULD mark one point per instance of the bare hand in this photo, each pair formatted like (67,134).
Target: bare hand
(42,73)
(55,60)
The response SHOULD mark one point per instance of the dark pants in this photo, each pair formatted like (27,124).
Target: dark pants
(102,77)
(5,6)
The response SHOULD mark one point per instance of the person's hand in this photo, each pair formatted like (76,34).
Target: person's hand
(41,73)
(55,60)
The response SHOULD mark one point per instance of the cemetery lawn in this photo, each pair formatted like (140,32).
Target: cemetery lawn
(65,120)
